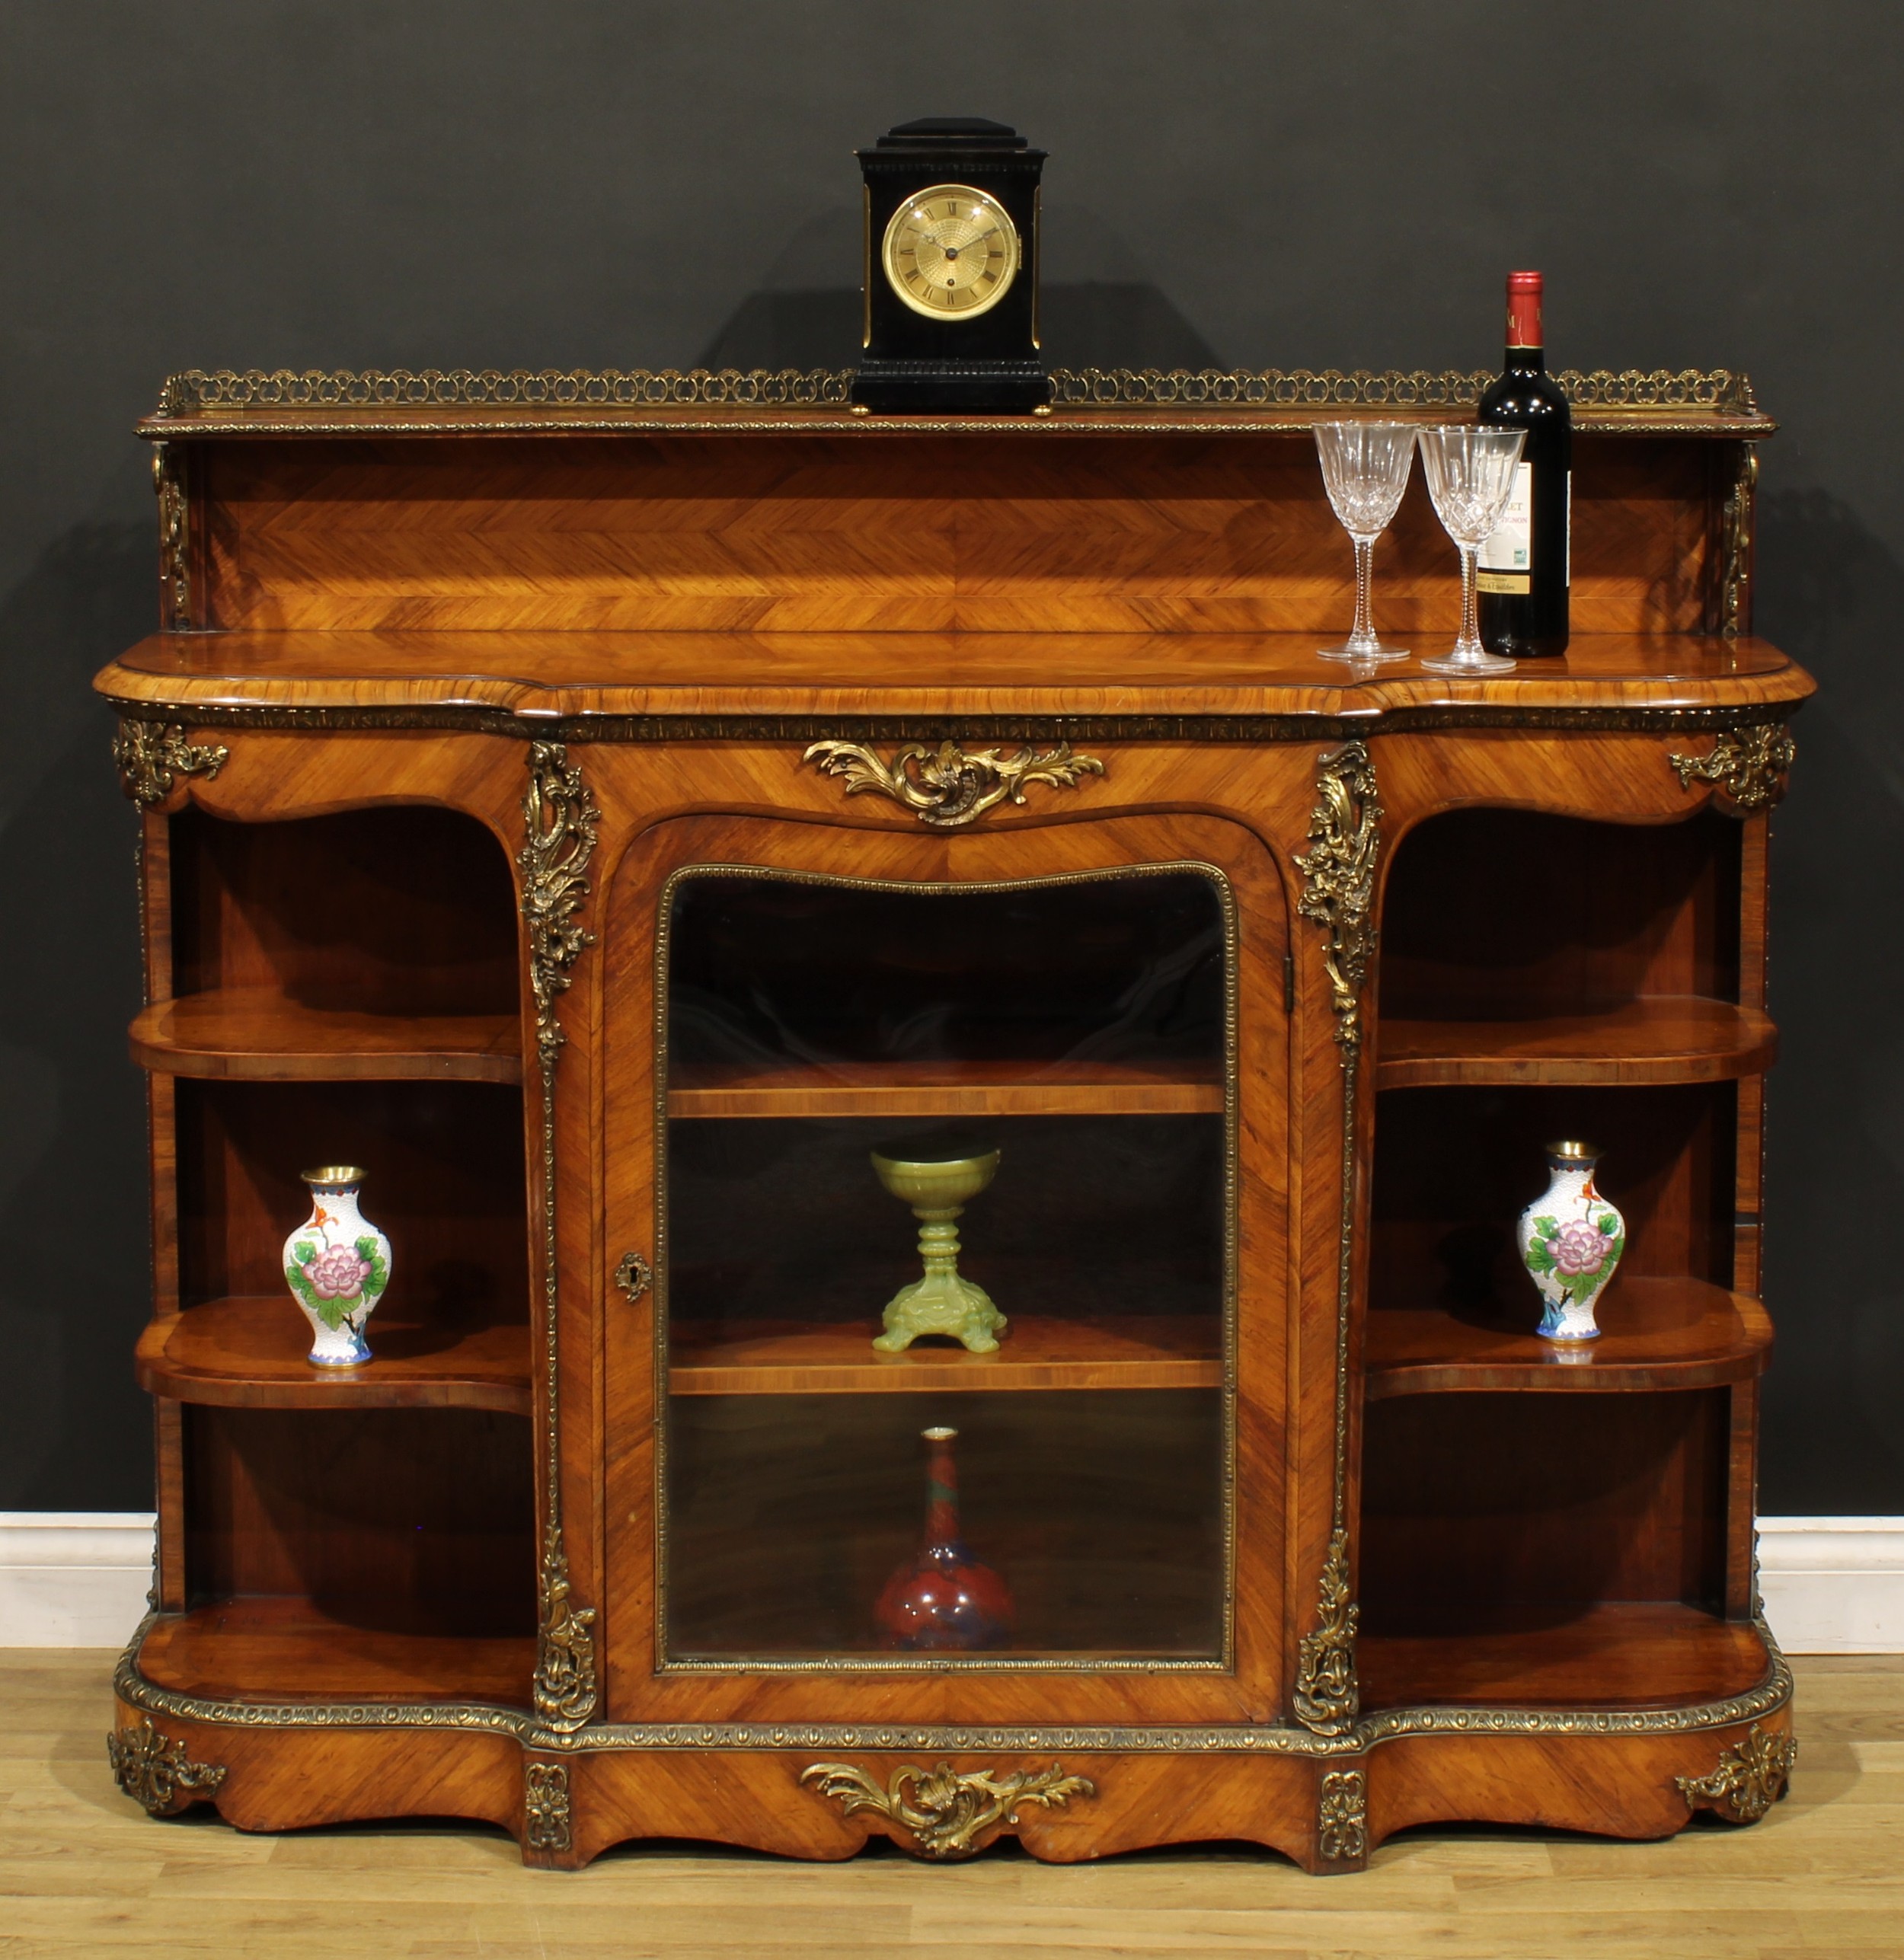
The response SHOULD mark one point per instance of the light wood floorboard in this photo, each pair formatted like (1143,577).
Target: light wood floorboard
(84,1872)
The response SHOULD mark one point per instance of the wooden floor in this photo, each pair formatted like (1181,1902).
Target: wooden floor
(83,1871)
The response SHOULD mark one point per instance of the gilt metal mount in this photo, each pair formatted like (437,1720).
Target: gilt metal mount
(945,1809)
(948,786)
(151,756)
(1749,765)
(1751,1777)
(153,1771)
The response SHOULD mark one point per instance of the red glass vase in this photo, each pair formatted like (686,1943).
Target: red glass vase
(943,1599)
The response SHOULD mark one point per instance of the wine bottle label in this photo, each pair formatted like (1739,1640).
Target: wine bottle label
(1506,560)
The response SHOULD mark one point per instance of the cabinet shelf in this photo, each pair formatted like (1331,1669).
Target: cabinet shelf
(1658,1334)
(1660,1039)
(948,1089)
(785,1358)
(261,1034)
(249,1353)
(1622,1654)
(294,1650)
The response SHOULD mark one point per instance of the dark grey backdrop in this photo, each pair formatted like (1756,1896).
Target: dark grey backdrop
(1259,183)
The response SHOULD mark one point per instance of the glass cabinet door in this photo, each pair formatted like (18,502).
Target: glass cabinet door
(945,1188)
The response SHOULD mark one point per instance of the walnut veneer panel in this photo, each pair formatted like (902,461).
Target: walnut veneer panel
(916,534)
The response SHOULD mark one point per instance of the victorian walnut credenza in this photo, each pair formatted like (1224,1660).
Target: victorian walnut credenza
(606,808)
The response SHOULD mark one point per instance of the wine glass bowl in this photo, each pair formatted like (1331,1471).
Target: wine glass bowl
(1365,469)
(1470,473)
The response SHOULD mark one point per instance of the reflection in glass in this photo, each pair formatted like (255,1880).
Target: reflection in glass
(1075,1032)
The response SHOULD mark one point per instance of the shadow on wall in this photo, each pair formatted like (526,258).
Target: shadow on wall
(1094,324)
(1831,595)
(73,1230)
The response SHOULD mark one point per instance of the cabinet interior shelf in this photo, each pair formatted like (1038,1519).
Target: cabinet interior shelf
(1619,1654)
(250,1352)
(1013,1088)
(1658,1333)
(1659,1039)
(783,1357)
(261,1034)
(275,1648)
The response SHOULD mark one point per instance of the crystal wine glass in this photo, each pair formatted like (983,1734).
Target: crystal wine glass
(1470,475)
(1365,469)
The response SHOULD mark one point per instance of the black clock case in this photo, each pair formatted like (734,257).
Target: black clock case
(989,365)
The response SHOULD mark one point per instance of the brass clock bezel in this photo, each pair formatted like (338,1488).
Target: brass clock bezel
(1014,258)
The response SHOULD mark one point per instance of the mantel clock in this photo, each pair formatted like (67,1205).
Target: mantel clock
(951,270)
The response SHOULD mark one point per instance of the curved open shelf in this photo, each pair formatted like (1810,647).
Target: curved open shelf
(1619,1654)
(259,1033)
(1658,1038)
(281,1648)
(1013,1088)
(1658,1334)
(783,1357)
(250,1353)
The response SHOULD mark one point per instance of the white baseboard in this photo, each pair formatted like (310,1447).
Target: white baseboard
(1834,1585)
(73,1578)
(78,1578)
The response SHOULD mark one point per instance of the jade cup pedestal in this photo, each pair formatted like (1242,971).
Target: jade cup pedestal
(941,1303)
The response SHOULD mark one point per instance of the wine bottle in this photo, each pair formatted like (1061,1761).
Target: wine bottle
(1526,566)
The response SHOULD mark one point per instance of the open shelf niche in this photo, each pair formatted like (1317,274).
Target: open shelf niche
(345,990)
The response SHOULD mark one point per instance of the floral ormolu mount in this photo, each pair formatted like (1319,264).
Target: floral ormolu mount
(1570,1241)
(337,1265)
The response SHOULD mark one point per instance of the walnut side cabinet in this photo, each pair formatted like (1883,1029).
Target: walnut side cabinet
(606,806)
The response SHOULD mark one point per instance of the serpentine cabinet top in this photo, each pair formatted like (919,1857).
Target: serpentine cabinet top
(581,555)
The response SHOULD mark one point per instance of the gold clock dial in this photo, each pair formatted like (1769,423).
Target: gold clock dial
(950,253)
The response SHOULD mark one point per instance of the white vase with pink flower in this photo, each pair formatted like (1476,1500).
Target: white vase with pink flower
(1570,1240)
(337,1265)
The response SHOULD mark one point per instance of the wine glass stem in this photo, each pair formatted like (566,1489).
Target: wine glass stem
(1363,633)
(1470,616)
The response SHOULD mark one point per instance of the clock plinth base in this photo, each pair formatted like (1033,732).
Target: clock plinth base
(953,387)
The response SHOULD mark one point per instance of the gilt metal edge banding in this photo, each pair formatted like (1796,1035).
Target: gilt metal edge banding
(608,730)
(196,390)
(559,821)
(1770,1695)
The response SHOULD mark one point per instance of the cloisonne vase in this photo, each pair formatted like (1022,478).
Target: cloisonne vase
(337,1265)
(943,1598)
(1570,1240)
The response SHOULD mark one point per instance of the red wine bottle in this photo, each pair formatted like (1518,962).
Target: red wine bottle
(1526,567)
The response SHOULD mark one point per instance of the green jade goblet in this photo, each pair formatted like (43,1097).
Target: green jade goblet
(941,1303)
